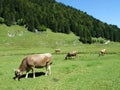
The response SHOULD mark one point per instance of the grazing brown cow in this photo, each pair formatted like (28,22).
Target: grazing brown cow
(57,50)
(102,52)
(71,54)
(34,61)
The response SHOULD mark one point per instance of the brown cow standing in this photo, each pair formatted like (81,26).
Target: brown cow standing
(57,50)
(102,52)
(71,54)
(34,61)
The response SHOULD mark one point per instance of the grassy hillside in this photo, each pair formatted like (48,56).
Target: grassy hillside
(85,72)
(47,41)
(29,40)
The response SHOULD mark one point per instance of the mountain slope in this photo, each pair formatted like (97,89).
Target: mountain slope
(35,14)
(17,36)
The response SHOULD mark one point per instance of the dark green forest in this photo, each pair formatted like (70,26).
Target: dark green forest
(41,14)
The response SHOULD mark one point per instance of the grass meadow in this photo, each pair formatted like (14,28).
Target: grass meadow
(87,71)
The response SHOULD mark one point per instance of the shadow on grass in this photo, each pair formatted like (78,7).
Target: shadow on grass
(30,75)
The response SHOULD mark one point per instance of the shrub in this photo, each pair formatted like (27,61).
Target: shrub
(2,20)
(42,28)
(20,22)
(98,40)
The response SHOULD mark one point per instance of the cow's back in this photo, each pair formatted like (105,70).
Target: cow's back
(39,60)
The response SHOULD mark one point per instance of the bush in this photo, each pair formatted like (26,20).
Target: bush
(41,28)
(98,40)
(20,22)
(2,20)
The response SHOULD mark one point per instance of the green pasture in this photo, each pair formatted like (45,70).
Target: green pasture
(48,41)
(87,71)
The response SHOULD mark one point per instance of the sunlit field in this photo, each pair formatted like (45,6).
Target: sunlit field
(87,71)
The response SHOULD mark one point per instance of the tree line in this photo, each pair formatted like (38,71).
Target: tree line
(39,14)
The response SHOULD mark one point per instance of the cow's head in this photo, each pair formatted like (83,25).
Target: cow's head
(17,74)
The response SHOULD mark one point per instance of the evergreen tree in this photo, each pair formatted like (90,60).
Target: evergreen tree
(57,17)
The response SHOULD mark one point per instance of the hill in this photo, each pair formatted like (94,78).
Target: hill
(15,36)
(85,72)
(18,40)
(39,14)
(18,34)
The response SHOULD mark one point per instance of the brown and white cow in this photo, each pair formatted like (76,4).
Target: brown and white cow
(57,50)
(71,54)
(34,61)
(102,52)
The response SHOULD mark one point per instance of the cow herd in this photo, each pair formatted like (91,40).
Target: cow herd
(42,60)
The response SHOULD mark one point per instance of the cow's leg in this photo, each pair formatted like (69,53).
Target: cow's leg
(66,58)
(33,72)
(100,54)
(48,70)
(26,75)
(103,53)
